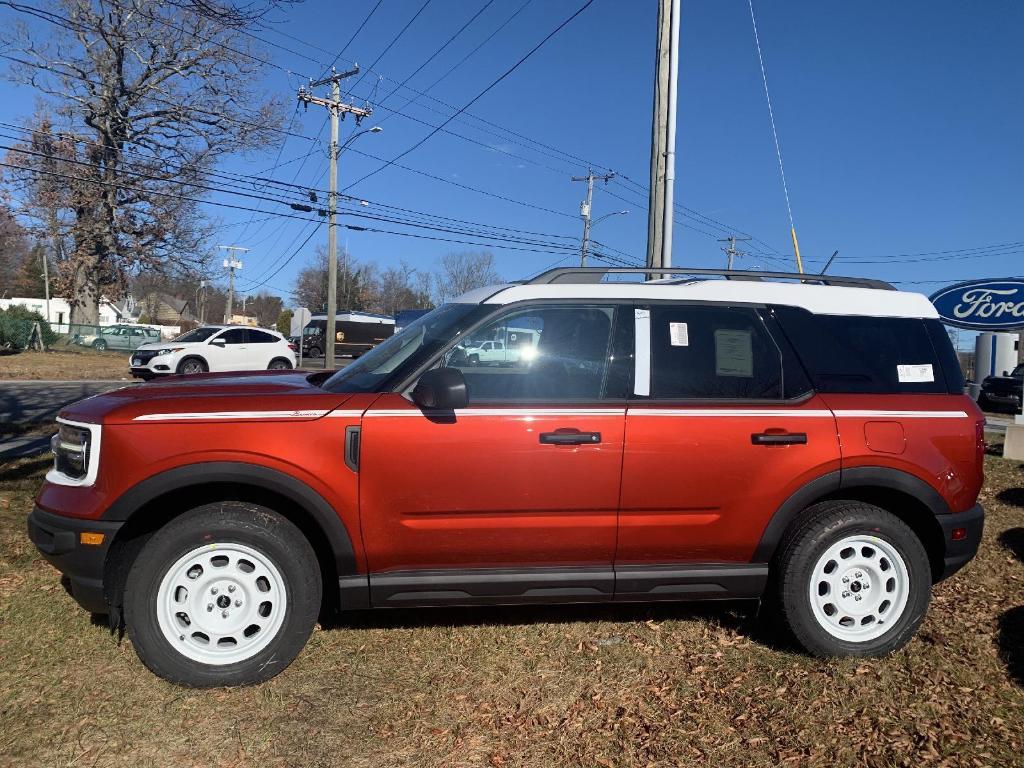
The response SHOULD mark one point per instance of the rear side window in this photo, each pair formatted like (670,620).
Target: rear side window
(261,337)
(713,353)
(867,355)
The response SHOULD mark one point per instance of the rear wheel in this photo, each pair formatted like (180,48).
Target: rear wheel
(192,365)
(313,353)
(853,580)
(226,594)
(279,364)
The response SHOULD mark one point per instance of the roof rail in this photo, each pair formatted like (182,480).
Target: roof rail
(594,275)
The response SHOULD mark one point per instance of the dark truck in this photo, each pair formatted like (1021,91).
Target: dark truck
(1003,392)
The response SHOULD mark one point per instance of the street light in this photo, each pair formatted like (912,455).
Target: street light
(588,225)
(354,136)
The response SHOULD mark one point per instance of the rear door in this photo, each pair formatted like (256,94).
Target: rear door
(721,429)
(515,497)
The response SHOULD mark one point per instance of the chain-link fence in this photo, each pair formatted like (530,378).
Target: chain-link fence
(18,332)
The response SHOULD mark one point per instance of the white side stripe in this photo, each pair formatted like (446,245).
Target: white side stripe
(230,415)
(520,412)
(344,414)
(722,412)
(902,414)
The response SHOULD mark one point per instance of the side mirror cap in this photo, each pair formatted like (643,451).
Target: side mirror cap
(218,342)
(1006,373)
(441,389)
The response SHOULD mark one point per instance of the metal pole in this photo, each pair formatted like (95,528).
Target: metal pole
(656,204)
(585,212)
(332,235)
(670,140)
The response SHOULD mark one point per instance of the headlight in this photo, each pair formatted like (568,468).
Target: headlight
(71,447)
(168,351)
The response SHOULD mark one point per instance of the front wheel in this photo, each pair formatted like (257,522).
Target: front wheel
(854,580)
(99,345)
(313,353)
(191,365)
(226,594)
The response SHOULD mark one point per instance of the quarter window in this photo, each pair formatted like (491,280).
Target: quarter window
(712,353)
(542,354)
(261,337)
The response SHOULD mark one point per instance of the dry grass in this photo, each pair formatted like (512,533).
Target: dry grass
(64,364)
(611,686)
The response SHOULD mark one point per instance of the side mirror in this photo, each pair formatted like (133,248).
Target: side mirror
(1006,373)
(218,342)
(441,389)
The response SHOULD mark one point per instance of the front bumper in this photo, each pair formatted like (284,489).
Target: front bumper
(959,552)
(1002,398)
(58,539)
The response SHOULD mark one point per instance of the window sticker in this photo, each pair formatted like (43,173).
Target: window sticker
(915,374)
(678,334)
(734,354)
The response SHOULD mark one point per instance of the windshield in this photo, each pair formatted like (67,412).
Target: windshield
(404,352)
(198,334)
(1018,371)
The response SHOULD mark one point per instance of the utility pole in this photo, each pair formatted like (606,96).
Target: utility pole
(231,264)
(585,208)
(336,108)
(46,282)
(731,251)
(663,137)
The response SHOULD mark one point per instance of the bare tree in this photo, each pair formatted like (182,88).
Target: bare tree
(464,271)
(145,97)
(266,308)
(402,287)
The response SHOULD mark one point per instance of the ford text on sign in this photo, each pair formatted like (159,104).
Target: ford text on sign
(982,305)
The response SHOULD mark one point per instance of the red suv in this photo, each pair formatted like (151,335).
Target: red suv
(803,441)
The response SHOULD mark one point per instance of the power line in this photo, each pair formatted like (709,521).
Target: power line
(476,98)
(353,37)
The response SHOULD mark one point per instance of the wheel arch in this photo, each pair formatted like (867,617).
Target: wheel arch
(155,501)
(191,356)
(910,498)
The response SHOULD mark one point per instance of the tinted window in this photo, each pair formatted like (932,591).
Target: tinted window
(545,353)
(716,353)
(951,369)
(234,336)
(198,334)
(865,354)
(261,337)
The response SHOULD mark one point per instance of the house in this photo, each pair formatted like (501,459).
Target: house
(60,311)
(164,309)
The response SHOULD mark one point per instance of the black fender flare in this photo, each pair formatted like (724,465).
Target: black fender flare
(840,480)
(252,475)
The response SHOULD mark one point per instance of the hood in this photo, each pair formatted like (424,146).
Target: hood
(153,346)
(251,396)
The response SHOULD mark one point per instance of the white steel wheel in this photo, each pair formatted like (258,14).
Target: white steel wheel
(221,603)
(859,588)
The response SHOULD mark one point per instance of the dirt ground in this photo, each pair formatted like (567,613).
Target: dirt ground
(64,364)
(531,687)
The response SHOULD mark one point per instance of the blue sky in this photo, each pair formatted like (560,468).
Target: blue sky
(900,124)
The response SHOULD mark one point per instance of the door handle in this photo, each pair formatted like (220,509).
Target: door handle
(779,438)
(570,437)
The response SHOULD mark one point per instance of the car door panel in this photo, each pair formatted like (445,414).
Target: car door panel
(726,433)
(520,482)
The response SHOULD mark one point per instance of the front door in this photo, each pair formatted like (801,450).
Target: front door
(515,497)
(721,429)
(234,354)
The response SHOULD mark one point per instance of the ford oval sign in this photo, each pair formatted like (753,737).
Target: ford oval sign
(982,305)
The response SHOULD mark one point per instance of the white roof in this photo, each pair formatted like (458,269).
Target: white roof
(819,299)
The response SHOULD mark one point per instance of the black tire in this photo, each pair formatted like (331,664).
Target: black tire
(192,365)
(823,525)
(984,403)
(474,359)
(279,364)
(253,526)
(99,345)
(313,353)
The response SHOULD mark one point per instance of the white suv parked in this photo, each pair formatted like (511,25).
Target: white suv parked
(215,348)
